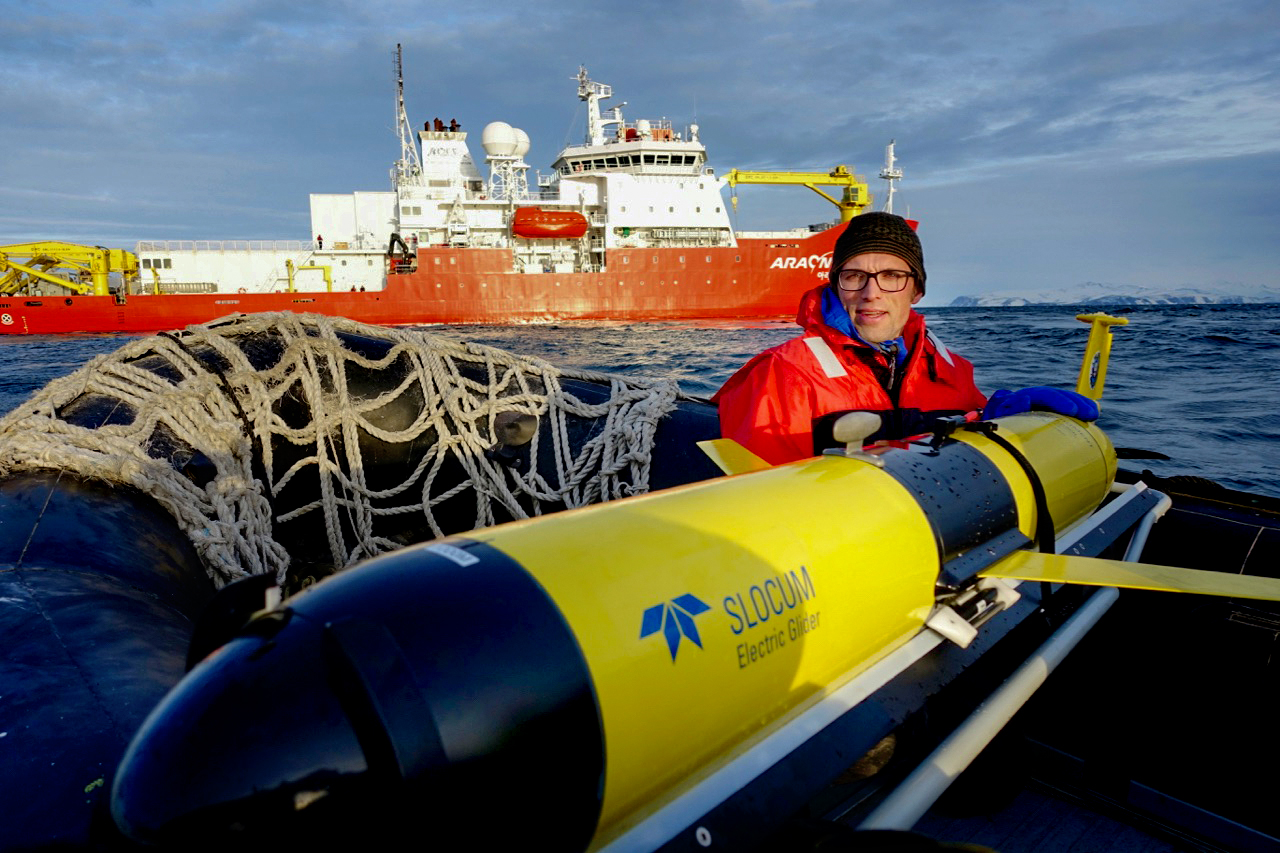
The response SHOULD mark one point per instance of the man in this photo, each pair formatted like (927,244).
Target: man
(863,349)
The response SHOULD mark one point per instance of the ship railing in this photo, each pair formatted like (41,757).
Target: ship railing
(666,169)
(223,245)
(185,287)
(653,123)
(678,233)
(790,234)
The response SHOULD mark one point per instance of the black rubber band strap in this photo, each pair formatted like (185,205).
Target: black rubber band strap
(1046,537)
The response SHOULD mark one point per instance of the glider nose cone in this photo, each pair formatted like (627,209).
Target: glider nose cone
(249,742)
(411,692)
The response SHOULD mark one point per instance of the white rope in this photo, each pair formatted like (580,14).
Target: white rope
(310,413)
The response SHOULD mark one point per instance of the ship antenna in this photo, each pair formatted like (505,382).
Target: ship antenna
(890,174)
(408,168)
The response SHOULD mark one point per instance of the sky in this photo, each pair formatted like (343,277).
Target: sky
(1044,144)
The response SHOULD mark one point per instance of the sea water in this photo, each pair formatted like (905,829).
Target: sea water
(1200,384)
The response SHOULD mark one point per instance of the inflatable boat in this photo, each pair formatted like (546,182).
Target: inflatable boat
(289,579)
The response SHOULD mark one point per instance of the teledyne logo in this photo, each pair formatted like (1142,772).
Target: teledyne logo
(675,619)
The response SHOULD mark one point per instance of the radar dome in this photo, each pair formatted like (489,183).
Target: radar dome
(522,142)
(499,139)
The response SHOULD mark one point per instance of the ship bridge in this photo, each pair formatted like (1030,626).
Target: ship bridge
(647,146)
(640,157)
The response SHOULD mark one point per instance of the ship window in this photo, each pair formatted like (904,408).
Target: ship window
(737,258)
(625,260)
(651,208)
(697,210)
(708,259)
(717,210)
(611,161)
(166,263)
(671,210)
(648,159)
(597,164)
(682,259)
(146,263)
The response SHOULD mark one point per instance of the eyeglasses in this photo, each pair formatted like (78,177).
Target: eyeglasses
(890,281)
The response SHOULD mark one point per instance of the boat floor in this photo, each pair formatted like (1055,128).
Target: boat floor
(1157,733)
(1047,813)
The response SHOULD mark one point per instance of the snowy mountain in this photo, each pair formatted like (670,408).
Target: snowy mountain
(1094,293)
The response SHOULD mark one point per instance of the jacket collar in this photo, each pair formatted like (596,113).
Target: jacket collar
(809,317)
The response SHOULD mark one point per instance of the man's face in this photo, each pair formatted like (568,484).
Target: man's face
(878,315)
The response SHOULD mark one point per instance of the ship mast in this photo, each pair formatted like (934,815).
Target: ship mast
(890,174)
(593,93)
(408,169)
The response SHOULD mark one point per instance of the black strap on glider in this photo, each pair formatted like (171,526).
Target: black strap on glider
(1046,539)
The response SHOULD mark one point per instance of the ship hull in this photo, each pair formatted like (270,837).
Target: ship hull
(758,279)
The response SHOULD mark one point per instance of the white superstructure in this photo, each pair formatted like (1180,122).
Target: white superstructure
(640,184)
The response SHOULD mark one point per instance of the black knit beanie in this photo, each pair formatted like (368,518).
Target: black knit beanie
(879,232)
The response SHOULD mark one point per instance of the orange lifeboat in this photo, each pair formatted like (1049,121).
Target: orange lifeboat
(533,222)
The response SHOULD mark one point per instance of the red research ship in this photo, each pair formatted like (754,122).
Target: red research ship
(631,225)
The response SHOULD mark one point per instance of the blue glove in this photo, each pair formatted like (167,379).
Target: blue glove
(1040,398)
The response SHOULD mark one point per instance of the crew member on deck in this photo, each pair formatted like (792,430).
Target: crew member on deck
(864,349)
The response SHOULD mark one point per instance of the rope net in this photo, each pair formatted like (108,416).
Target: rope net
(298,444)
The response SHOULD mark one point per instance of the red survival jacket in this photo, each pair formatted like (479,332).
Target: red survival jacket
(770,405)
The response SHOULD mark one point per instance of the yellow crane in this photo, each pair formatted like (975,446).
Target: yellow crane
(855,199)
(80,269)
